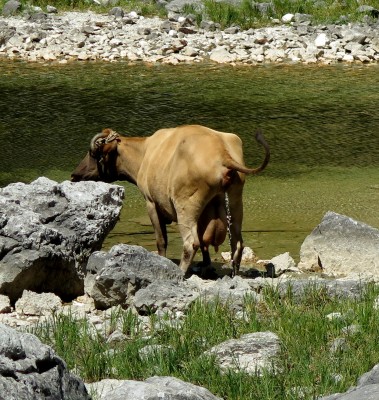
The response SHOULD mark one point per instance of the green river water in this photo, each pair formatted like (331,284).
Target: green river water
(321,122)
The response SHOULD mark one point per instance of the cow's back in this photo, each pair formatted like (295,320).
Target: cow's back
(178,161)
(195,141)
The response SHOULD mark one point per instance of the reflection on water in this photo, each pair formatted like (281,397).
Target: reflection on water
(321,123)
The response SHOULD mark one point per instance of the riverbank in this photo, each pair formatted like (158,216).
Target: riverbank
(77,36)
(132,304)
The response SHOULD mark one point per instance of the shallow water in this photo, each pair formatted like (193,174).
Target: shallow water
(321,122)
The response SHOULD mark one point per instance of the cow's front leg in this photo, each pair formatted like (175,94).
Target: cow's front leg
(190,245)
(159,226)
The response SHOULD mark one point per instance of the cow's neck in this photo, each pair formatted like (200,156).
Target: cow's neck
(130,154)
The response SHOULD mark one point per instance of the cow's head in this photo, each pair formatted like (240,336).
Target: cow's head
(99,164)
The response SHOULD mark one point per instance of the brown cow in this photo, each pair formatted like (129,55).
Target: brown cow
(189,174)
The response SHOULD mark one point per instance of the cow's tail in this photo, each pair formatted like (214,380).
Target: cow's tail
(234,165)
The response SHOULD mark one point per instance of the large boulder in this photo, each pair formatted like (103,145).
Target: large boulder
(115,276)
(340,246)
(47,232)
(30,370)
(154,388)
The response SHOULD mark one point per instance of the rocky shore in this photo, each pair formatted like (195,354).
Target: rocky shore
(117,36)
(50,264)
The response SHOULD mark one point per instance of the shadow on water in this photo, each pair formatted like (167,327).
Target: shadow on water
(321,123)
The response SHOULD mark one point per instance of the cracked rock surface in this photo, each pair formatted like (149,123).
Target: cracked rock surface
(47,232)
(31,370)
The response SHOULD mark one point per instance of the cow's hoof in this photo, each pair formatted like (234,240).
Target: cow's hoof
(196,269)
(209,273)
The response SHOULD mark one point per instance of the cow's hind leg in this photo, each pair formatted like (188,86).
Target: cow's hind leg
(234,209)
(212,230)
(189,210)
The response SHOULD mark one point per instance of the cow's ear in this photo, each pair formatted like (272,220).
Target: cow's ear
(103,142)
(109,147)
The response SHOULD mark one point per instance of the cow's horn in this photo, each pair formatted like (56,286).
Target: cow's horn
(95,141)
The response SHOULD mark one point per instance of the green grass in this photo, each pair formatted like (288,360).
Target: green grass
(306,364)
(146,8)
(244,14)
(247,15)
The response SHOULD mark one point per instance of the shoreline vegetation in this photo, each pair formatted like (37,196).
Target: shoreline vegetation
(326,344)
(243,13)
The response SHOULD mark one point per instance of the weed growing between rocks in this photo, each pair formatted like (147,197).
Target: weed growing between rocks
(326,343)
